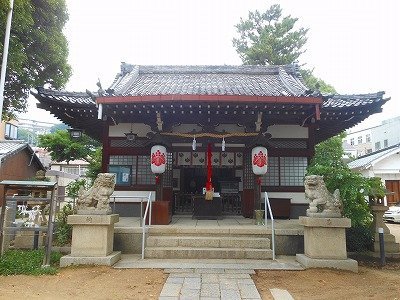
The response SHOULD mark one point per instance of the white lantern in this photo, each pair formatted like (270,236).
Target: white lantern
(259,160)
(158,159)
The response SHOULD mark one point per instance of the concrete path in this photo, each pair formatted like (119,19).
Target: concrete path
(209,284)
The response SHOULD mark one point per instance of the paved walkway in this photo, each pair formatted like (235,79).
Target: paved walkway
(211,278)
(209,284)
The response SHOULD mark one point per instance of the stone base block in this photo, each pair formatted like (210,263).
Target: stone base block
(325,238)
(92,235)
(108,260)
(25,240)
(341,264)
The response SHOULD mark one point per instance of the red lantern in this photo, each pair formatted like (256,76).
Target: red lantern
(158,159)
(259,160)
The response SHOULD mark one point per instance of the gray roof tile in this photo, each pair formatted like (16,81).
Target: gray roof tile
(209,80)
(364,161)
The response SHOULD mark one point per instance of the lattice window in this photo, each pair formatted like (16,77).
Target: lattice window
(292,170)
(248,172)
(285,171)
(289,144)
(144,174)
(167,176)
(122,159)
(136,168)
(272,176)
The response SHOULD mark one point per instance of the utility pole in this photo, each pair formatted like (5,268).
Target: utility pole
(5,56)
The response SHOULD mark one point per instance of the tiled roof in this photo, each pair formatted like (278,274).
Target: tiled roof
(9,148)
(76,98)
(185,83)
(209,80)
(365,161)
(342,101)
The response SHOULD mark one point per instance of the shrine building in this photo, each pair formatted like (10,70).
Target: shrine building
(209,118)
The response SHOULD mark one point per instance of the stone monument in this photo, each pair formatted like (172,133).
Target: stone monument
(324,229)
(93,225)
(392,248)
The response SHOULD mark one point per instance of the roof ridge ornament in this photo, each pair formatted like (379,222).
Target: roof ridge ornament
(126,68)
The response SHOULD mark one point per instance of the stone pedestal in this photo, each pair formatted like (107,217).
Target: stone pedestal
(92,240)
(325,244)
(391,247)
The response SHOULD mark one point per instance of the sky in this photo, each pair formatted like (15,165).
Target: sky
(352,45)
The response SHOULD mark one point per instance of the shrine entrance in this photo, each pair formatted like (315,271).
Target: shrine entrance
(192,183)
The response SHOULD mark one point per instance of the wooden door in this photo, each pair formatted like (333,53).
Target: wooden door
(393,186)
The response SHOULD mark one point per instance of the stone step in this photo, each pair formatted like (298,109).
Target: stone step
(206,253)
(390,247)
(214,231)
(208,241)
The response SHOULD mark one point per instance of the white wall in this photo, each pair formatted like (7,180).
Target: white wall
(297,198)
(288,131)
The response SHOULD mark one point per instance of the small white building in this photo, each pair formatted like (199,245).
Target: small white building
(384,164)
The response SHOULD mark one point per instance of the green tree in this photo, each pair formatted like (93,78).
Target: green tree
(271,39)
(38,50)
(63,148)
(337,175)
(95,162)
(355,190)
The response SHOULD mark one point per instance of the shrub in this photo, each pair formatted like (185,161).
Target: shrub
(74,187)
(359,239)
(63,231)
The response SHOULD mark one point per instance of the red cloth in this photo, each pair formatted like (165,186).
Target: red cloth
(209,168)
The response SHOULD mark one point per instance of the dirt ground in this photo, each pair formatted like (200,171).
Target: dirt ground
(372,282)
(369,283)
(107,283)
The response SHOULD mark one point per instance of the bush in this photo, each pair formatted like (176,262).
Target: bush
(74,187)
(28,262)
(359,239)
(63,231)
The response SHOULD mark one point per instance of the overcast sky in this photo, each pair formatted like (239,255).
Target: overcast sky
(353,45)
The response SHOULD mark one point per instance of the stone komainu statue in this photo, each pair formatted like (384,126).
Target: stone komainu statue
(323,204)
(96,199)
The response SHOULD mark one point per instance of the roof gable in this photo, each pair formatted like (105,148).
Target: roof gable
(367,161)
(10,148)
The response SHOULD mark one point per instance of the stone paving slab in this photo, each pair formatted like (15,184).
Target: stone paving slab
(209,285)
(279,294)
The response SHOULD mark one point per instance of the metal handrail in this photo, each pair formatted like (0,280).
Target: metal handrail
(144,227)
(131,197)
(266,201)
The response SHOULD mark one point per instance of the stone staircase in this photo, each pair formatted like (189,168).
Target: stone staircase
(208,243)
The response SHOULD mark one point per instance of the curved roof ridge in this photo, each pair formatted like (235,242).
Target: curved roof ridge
(291,83)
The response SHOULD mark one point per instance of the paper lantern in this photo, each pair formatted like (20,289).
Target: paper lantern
(158,159)
(259,160)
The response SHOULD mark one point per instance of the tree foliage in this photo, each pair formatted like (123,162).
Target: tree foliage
(95,162)
(315,83)
(269,38)
(38,50)
(272,39)
(354,188)
(63,148)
